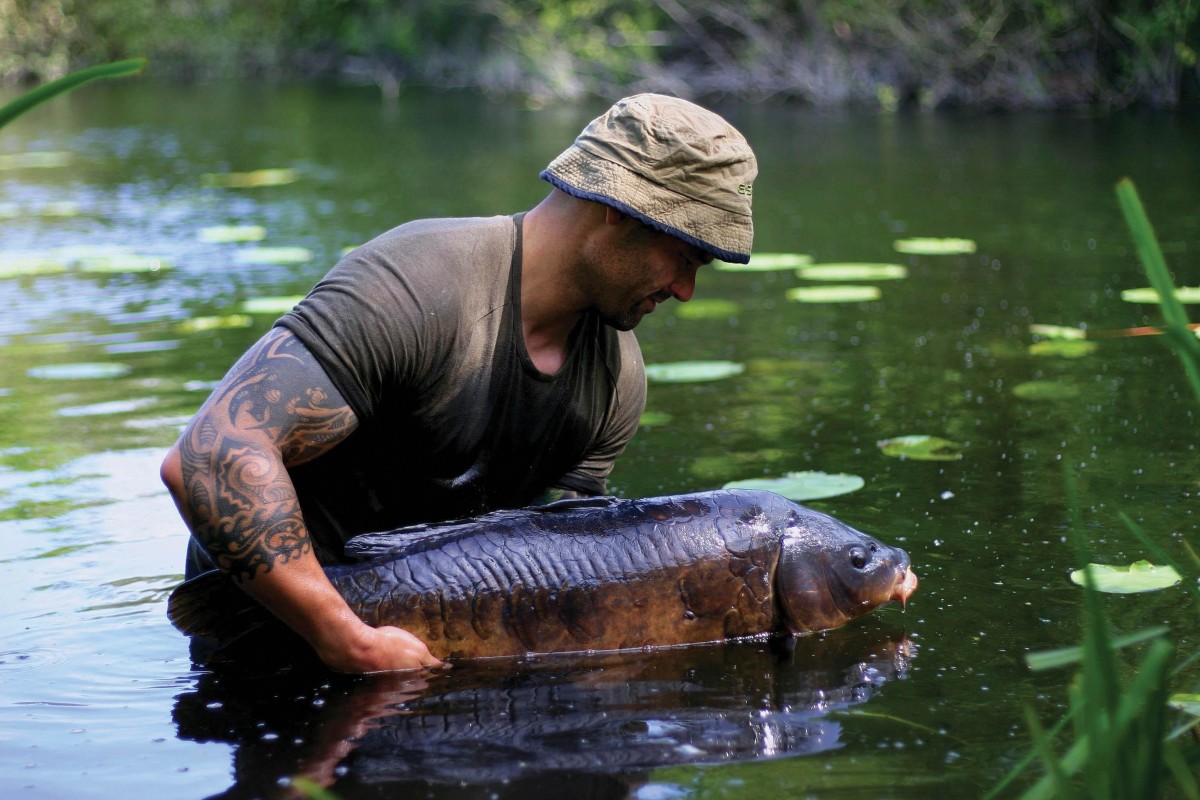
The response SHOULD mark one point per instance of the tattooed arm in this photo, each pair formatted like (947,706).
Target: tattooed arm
(228,475)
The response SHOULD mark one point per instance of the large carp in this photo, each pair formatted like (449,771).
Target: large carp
(597,574)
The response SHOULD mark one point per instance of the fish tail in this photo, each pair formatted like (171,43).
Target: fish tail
(212,607)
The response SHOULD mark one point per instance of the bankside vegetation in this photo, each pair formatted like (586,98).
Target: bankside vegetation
(933,53)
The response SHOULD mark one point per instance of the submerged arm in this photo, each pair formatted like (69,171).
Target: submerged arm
(228,475)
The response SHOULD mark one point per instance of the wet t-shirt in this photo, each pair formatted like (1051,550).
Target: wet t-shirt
(420,330)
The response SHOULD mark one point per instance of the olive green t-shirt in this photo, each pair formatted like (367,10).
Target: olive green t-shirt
(420,330)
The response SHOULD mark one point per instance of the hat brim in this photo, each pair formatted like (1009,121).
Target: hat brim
(724,234)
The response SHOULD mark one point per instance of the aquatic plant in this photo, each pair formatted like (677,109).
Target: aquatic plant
(66,83)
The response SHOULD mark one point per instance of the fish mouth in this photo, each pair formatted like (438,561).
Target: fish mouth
(906,584)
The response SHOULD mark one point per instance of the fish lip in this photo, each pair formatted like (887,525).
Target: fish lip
(906,584)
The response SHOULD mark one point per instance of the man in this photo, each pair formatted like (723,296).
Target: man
(451,367)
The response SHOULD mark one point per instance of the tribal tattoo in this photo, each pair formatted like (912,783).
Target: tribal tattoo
(275,408)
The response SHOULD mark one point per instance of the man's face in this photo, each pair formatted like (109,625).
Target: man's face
(638,269)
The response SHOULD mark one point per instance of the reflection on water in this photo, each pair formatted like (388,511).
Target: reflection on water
(521,724)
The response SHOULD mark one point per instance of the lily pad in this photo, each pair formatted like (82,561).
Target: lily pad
(920,447)
(1185,294)
(35,159)
(853,272)
(122,264)
(59,208)
(806,485)
(82,371)
(651,419)
(834,294)
(200,324)
(766,262)
(21,266)
(1046,390)
(707,308)
(273,255)
(1140,576)
(1057,332)
(1183,701)
(271,305)
(927,246)
(250,180)
(224,234)
(693,371)
(1066,348)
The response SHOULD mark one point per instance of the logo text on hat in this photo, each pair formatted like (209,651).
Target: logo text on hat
(746,189)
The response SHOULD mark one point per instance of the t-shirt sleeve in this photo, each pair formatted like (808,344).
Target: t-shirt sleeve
(590,475)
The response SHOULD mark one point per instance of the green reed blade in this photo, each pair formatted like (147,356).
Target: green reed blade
(116,69)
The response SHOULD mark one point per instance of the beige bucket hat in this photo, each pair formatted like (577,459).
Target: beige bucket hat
(674,165)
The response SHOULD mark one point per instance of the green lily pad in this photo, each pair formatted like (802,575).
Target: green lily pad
(121,264)
(766,262)
(853,272)
(271,305)
(273,255)
(651,419)
(806,485)
(833,294)
(693,371)
(59,208)
(224,234)
(200,324)
(81,371)
(927,246)
(1057,332)
(35,159)
(920,447)
(1185,294)
(1140,576)
(250,180)
(1185,702)
(1066,348)
(707,308)
(1046,390)
(21,266)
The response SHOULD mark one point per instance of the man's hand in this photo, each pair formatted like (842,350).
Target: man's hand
(386,649)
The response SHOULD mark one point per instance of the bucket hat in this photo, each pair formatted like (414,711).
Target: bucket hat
(671,164)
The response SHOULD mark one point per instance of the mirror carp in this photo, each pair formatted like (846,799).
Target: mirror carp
(595,574)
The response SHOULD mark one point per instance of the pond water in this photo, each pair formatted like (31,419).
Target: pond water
(103,359)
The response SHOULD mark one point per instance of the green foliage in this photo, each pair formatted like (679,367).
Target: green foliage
(53,89)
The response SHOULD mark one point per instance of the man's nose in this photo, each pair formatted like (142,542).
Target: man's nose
(684,285)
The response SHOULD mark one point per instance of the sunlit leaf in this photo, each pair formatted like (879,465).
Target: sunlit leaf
(1184,294)
(1140,576)
(926,246)
(271,305)
(200,324)
(1066,348)
(1189,703)
(707,308)
(806,485)
(35,159)
(853,272)
(1046,390)
(273,255)
(920,447)
(766,262)
(1057,332)
(125,263)
(833,294)
(20,266)
(223,234)
(692,371)
(651,419)
(81,371)
(59,208)
(250,180)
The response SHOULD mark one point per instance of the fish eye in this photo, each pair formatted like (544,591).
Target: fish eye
(858,557)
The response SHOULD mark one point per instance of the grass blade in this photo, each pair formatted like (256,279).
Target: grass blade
(66,83)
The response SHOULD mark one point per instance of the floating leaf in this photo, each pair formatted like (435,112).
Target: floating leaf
(250,180)
(1184,294)
(21,266)
(200,324)
(1140,576)
(224,234)
(707,308)
(35,159)
(692,371)
(126,263)
(1046,390)
(273,255)
(920,447)
(800,486)
(271,305)
(833,294)
(1057,332)
(1189,703)
(1067,348)
(853,272)
(59,208)
(766,262)
(650,419)
(80,371)
(925,246)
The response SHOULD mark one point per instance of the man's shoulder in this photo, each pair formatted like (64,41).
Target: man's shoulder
(446,234)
